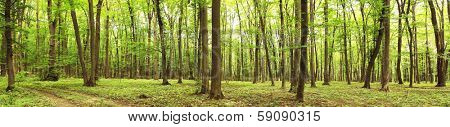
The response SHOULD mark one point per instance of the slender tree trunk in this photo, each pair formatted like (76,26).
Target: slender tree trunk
(241,51)
(256,69)
(400,7)
(282,39)
(440,46)
(8,30)
(428,58)
(375,51)
(313,43)
(410,46)
(347,66)
(326,76)
(163,44)
(204,45)
(180,55)
(364,52)
(386,60)
(97,38)
(302,12)
(91,81)
(78,40)
(216,72)
(52,74)
(262,27)
(107,67)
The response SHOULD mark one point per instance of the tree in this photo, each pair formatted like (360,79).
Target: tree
(8,30)
(326,74)
(180,55)
(312,67)
(93,44)
(400,7)
(97,37)
(52,74)
(282,39)
(256,68)
(262,27)
(386,61)
(302,11)
(78,40)
(347,66)
(374,53)
(216,72)
(165,73)
(204,44)
(107,59)
(440,45)
(410,45)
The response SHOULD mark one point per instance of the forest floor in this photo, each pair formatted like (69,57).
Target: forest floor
(150,93)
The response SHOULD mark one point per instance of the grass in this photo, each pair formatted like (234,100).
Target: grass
(149,93)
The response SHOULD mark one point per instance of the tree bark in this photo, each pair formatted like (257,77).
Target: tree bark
(400,7)
(313,43)
(78,40)
(326,73)
(107,64)
(204,47)
(216,72)
(180,54)
(8,30)
(440,46)
(262,27)
(302,11)
(375,51)
(347,67)
(52,74)
(386,58)
(163,44)
(282,39)
(93,45)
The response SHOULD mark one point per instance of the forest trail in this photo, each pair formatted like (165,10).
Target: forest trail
(57,101)
(76,99)
(91,98)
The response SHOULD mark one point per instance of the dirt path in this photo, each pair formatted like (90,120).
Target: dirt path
(57,101)
(93,98)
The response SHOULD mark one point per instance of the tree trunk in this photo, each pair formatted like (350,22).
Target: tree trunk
(440,46)
(302,11)
(326,73)
(107,67)
(262,27)
(313,43)
(364,53)
(386,60)
(347,67)
(52,74)
(180,55)
(401,6)
(78,40)
(8,30)
(204,45)
(216,72)
(375,51)
(240,61)
(93,44)
(163,44)
(256,69)
(282,39)
(410,46)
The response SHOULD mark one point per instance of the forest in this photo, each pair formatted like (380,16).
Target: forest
(188,53)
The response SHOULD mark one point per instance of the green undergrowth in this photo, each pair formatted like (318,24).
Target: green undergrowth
(150,93)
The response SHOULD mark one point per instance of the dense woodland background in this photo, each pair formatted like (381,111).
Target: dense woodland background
(292,41)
